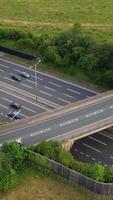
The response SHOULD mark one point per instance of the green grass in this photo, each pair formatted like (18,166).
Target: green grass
(50,15)
(35,186)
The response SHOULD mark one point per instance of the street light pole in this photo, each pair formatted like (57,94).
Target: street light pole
(36,83)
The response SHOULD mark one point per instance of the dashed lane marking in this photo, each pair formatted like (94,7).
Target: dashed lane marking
(50,88)
(26,86)
(6,99)
(3,106)
(45,93)
(97,140)
(91,148)
(73,91)
(55,84)
(29,109)
(64,100)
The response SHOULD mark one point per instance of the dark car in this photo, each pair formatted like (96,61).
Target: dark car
(14,115)
(16,78)
(24,74)
(15,105)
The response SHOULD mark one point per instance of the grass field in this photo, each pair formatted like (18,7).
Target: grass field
(49,15)
(36,187)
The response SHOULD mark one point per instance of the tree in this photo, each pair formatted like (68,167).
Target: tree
(16,153)
(51,54)
(88,62)
(8,176)
(51,149)
(97,172)
(109,175)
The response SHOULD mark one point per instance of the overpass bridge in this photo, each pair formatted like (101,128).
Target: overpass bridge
(73,121)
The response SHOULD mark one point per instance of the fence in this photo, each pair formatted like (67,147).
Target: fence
(71,176)
(17,53)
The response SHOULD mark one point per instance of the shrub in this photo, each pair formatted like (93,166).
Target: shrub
(16,153)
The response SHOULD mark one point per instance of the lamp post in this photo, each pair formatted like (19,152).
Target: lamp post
(36,84)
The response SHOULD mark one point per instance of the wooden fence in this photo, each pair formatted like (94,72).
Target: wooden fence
(71,176)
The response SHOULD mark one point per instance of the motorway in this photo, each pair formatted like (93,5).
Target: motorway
(63,124)
(58,93)
(50,89)
(97,148)
(28,108)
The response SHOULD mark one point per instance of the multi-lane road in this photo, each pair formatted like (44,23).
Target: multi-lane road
(28,108)
(54,92)
(50,89)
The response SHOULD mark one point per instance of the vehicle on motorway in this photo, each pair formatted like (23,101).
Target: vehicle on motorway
(15,105)
(24,74)
(14,115)
(19,141)
(16,78)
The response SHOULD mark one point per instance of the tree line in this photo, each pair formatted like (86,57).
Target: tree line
(14,159)
(71,50)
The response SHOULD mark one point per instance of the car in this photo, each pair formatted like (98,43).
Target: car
(24,74)
(14,115)
(19,141)
(15,105)
(16,78)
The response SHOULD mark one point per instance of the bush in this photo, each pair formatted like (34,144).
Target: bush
(8,176)
(16,153)
(50,149)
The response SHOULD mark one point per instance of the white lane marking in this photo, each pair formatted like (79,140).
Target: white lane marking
(94,113)
(28,109)
(3,106)
(45,93)
(88,96)
(41,131)
(64,100)
(73,91)
(99,162)
(106,136)
(111,157)
(49,88)
(26,86)
(6,99)
(76,150)
(93,158)
(25,100)
(87,156)
(81,152)
(97,140)
(9,79)
(41,79)
(55,84)
(40,99)
(91,148)
(105,165)
(111,106)
(4,66)
(11,74)
(68,95)
(17,70)
(30,81)
(23,115)
(1,70)
(53,77)
(69,122)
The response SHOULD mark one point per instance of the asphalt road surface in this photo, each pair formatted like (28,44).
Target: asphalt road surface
(97,148)
(50,89)
(27,107)
(62,125)
(94,148)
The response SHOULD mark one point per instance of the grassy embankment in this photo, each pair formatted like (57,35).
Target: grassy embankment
(42,15)
(36,186)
